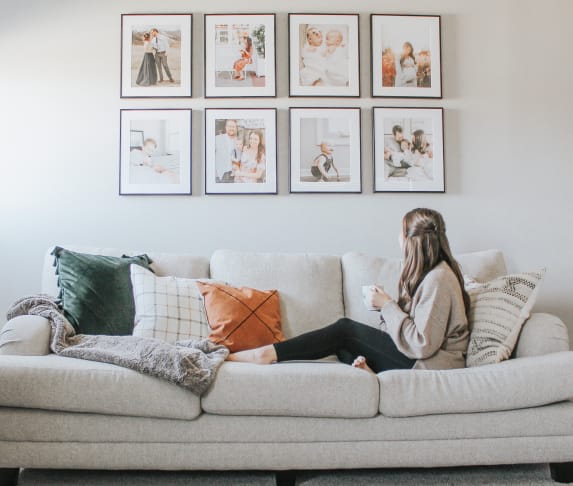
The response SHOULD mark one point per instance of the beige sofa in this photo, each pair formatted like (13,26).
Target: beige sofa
(64,413)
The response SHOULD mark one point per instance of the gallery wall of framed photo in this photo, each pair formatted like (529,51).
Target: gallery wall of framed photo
(325,151)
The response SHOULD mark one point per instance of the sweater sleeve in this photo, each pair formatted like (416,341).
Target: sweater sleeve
(421,335)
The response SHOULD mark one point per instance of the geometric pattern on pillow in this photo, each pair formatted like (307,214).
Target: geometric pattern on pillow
(167,308)
(497,313)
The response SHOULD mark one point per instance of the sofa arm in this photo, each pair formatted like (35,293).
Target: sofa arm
(542,334)
(26,335)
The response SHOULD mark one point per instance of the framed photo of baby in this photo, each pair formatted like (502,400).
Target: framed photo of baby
(406,56)
(325,150)
(240,55)
(155,151)
(408,150)
(324,57)
(156,55)
(240,151)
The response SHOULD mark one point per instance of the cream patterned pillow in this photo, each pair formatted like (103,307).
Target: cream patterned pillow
(167,308)
(498,310)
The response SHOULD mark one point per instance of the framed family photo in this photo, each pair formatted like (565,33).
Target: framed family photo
(155,151)
(324,57)
(408,150)
(325,150)
(241,151)
(156,55)
(406,56)
(240,55)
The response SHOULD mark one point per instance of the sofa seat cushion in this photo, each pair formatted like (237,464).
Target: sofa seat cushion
(295,389)
(53,382)
(513,384)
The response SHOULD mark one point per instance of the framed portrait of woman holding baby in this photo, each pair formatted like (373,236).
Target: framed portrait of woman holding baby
(324,55)
(406,57)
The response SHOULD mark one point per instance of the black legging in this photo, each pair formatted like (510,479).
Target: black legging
(347,339)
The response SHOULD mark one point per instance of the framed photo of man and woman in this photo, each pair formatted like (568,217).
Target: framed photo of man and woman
(406,57)
(324,55)
(240,151)
(240,55)
(156,55)
(408,150)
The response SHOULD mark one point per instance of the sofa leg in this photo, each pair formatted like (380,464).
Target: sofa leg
(9,477)
(562,472)
(286,478)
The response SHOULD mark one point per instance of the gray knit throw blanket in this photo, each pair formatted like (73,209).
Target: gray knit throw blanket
(190,364)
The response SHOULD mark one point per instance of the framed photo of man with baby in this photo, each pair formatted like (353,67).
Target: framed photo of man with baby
(325,150)
(240,55)
(240,151)
(155,152)
(408,150)
(406,56)
(156,55)
(324,57)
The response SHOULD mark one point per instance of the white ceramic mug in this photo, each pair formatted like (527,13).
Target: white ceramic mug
(367,291)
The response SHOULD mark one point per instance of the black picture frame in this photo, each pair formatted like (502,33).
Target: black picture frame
(406,180)
(315,79)
(181,87)
(229,52)
(247,120)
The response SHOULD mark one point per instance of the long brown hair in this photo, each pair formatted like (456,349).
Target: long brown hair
(425,246)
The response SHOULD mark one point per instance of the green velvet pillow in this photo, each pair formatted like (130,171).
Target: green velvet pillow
(96,291)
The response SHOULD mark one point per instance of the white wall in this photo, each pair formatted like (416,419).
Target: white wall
(508,123)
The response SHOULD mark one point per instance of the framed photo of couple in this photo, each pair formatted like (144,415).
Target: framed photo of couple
(241,151)
(406,57)
(408,150)
(156,55)
(324,57)
(325,150)
(240,55)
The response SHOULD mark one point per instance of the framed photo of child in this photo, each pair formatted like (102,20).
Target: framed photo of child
(156,55)
(324,58)
(325,150)
(240,151)
(406,56)
(408,150)
(155,151)
(240,55)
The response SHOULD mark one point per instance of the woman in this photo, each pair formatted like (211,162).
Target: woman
(408,77)
(426,328)
(252,165)
(147,75)
(246,58)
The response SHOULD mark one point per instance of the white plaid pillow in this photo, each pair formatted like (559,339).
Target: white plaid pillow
(167,308)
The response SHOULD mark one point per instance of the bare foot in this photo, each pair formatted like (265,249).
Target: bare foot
(262,355)
(360,362)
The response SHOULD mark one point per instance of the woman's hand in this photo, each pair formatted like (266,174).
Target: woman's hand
(378,297)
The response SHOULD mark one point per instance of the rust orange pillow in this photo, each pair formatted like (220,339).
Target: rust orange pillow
(242,318)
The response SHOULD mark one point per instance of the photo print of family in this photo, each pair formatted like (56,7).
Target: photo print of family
(406,57)
(155,152)
(325,150)
(324,55)
(240,55)
(156,55)
(240,151)
(408,150)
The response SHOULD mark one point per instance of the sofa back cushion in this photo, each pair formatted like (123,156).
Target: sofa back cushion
(309,285)
(359,270)
(164,264)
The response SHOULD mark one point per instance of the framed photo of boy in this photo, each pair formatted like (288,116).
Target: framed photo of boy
(241,151)
(325,150)
(408,150)
(155,151)
(406,56)
(324,58)
(156,55)
(240,55)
